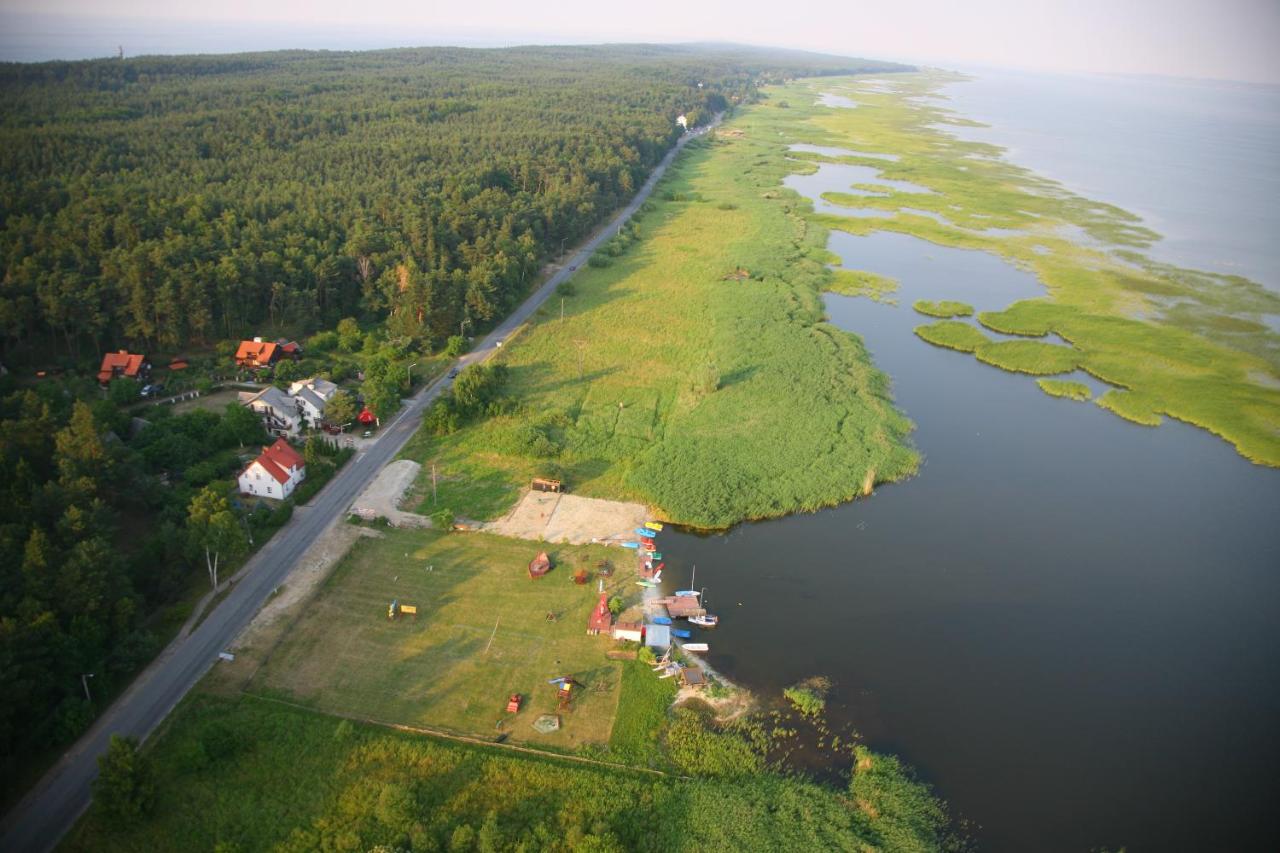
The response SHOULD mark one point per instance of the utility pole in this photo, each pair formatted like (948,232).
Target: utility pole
(84,679)
(409,373)
(433,482)
(561,309)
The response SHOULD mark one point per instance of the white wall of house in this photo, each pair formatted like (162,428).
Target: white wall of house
(256,480)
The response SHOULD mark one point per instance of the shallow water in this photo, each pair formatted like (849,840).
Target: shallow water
(1199,160)
(1069,623)
(829,151)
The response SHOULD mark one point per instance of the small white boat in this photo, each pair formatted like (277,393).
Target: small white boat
(688,593)
(705,621)
(695,647)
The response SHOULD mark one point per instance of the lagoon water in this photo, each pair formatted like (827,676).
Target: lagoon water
(1068,623)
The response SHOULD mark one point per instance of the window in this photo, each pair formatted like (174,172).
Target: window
(268,490)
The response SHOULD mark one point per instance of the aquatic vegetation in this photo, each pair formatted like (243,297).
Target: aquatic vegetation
(1065,388)
(1033,357)
(809,696)
(944,308)
(1184,343)
(861,283)
(953,334)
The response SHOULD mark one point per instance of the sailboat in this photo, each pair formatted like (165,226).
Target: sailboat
(706,620)
(685,593)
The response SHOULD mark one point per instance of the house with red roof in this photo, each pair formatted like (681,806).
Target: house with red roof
(257,353)
(275,473)
(130,365)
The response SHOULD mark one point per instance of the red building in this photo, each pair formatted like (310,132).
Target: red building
(123,363)
(601,619)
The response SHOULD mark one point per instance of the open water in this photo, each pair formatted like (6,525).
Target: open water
(1068,623)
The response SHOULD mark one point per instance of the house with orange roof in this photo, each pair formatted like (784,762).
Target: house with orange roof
(129,365)
(257,354)
(275,473)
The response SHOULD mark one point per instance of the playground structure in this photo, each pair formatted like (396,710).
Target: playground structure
(397,609)
(513,703)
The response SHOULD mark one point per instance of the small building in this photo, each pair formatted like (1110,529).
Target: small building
(289,349)
(632,631)
(601,620)
(693,677)
(124,364)
(257,354)
(657,636)
(279,411)
(275,473)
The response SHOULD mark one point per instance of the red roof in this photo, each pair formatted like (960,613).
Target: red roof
(290,348)
(257,352)
(278,459)
(122,363)
(601,619)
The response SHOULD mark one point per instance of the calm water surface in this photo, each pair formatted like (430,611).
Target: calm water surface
(1069,623)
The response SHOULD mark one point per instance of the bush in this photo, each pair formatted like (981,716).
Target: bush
(125,790)
(455,346)
(599,261)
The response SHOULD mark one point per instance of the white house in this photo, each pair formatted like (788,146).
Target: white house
(275,473)
(312,395)
(279,411)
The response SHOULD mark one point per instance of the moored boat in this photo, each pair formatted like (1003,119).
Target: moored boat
(704,621)
(695,647)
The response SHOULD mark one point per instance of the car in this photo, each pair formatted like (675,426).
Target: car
(573,267)
(368,434)
(498,344)
(453,372)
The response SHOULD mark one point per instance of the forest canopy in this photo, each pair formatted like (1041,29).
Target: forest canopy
(162,200)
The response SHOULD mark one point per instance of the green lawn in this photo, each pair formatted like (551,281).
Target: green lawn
(481,634)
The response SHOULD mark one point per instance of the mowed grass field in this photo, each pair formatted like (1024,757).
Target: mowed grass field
(481,634)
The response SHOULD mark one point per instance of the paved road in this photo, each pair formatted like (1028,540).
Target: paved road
(39,821)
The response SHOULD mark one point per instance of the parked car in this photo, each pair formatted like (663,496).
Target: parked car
(573,267)
(453,372)
(498,344)
(368,434)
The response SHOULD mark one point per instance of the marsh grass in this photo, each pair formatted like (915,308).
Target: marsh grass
(797,419)
(862,283)
(953,334)
(1184,343)
(943,309)
(1065,388)
(299,780)
(1034,357)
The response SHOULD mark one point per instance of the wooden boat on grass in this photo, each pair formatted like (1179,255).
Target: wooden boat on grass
(539,565)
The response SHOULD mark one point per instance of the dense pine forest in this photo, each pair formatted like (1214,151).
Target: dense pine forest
(166,200)
(171,204)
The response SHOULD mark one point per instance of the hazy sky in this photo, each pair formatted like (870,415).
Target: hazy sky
(1234,39)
